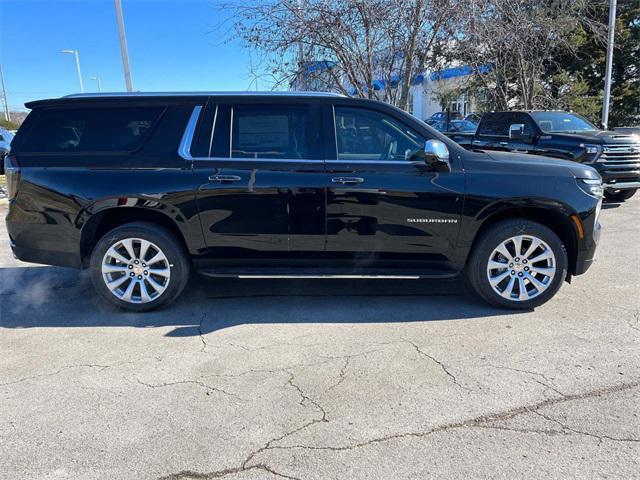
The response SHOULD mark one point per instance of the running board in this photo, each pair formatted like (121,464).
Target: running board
(308,273)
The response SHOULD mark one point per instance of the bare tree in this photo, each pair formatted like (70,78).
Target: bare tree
(366,48)
(515,41)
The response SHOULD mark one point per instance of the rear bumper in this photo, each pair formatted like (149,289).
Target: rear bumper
(46,257)
(45,244)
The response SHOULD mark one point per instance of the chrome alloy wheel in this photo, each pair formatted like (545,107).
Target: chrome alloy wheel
(521,268)
(136,270)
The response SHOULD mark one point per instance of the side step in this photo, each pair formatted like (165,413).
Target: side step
(333,273)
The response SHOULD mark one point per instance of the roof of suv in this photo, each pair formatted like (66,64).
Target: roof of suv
(204,94)
(528,111)
(133,96)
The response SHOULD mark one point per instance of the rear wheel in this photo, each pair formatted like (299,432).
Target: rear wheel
(139,267)
(619,195)
(518,264)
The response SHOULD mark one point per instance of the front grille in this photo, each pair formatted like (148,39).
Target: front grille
(621,157)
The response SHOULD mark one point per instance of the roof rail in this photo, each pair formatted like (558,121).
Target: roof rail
(201,94)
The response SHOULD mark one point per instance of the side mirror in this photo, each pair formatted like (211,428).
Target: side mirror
(516,132)
(436,155)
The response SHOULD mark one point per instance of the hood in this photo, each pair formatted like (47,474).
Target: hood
(598,137)
(532,163)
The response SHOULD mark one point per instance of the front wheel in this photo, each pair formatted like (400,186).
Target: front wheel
(517,264)
(619,195)
(139,267)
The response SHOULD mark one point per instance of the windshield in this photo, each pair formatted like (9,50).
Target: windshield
(5,135)
(558,122)
(464,125)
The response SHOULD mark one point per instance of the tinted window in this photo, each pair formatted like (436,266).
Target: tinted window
(91,129)
(369,135)
(5,136)
(494,124)
(498,123)
(552,122)
(463,126)
(271,131)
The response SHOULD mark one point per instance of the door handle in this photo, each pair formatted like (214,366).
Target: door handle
(224,178)
(347,180)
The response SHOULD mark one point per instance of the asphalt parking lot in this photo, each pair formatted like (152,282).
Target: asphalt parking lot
(319,379)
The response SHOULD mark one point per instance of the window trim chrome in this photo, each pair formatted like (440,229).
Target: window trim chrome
(184,150)
(213,129)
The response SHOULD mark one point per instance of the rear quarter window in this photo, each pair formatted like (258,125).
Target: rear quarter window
(497,124)
(91,130)
(494,124)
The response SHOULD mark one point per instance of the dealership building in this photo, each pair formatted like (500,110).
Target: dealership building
(431,91)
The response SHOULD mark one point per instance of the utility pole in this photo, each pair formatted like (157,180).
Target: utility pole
(607,78)
(77,55)
(97,79)
(123,46)
(300,76)
(7,115)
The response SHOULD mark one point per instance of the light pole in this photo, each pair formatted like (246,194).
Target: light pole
(7,115)
(76,53)
(123,46)
(607,78)
(97,79)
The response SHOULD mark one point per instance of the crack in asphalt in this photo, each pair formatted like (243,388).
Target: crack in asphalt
(284,369)
(305,399)
(636,320)
(202,339)
(341,375)
(444,368)
(343,370)
(483,421)
(479,421)
(100,368)
(206,386)
(549,381)
(191,475)
(566,428)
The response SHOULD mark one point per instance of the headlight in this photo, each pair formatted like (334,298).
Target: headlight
(591,186)
(592,152)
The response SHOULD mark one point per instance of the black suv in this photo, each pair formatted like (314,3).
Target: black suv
(139,188)
(615,155)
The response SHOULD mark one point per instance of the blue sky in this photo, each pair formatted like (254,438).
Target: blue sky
(171,47)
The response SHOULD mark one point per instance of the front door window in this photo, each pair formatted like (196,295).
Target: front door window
(369,135)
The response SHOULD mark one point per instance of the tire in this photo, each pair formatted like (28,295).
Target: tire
(541,279)
(150,290)
(619,195)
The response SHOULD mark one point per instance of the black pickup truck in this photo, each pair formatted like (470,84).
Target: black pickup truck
(558,134)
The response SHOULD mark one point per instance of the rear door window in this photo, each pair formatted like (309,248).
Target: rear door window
(85,130)
(273,132)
